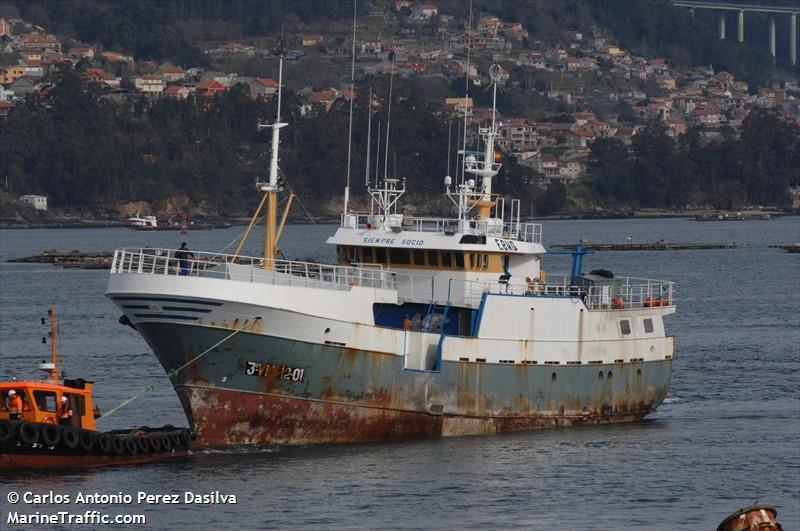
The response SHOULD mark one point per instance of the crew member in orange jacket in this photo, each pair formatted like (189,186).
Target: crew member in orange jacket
(65,412)
(14,405)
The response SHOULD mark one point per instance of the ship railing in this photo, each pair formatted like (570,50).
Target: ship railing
(155,261)
(526,232)
(624,292)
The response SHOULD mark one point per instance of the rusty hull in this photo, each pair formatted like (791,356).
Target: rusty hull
(347,395)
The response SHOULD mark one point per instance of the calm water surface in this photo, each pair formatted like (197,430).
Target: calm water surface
(728,434)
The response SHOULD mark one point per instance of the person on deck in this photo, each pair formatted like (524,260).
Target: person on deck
(406,323)
(65,412)
(184,256)
(14,405)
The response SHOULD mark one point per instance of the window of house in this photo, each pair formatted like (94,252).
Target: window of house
(380,255)
(45,400)
(459,260)
(433,258)
(625,327)
(419,257)
(447,259)
(400,256)
(648,326)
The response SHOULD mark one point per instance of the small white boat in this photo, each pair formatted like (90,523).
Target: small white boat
(142,222)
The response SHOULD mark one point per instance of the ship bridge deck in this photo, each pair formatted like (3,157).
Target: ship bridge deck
(624,293)
(513,230)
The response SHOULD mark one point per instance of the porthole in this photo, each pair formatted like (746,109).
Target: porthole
(610,376)
(638,373)
(553,377)
(600,375)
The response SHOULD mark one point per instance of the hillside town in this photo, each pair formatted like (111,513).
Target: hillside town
(592,88)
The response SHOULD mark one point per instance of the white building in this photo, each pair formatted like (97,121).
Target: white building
(39,202)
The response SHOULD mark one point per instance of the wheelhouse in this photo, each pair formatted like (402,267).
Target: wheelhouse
(41,400)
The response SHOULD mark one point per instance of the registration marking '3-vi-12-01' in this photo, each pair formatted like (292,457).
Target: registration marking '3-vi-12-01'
(280,372)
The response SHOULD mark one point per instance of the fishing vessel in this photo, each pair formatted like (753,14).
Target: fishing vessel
(50,423)
(425,327)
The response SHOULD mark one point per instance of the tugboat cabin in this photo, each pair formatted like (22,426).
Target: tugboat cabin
(41,401)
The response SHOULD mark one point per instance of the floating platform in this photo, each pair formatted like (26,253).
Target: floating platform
(791,248)
(654,246)
(74,259)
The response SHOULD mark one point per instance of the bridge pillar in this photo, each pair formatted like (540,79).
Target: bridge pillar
(793,40)
(722,26)
(740,33)
(772,36)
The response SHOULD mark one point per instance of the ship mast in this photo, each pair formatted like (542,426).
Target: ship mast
(469,194)
(271,187)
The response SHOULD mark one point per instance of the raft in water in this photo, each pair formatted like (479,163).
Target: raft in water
(661,245)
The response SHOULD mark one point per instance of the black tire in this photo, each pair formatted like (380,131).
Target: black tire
(29,433)
(186,439)
(118,445)
(105,443)
(87,440)
(131,447)
(71,437)
(155,444)
(166,443)
(8,430)
(51,435)
(177,442)
(143,445)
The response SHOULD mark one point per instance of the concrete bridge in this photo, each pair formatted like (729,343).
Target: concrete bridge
(752,7)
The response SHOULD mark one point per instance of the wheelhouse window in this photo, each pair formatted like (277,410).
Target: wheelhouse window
(380,255)
(367,255)
(447,259)
(419,257)
(648,326)
(400,256)
(472,260)
(45,400)
(433,258)
(352,254)
(625,327)
(459,260)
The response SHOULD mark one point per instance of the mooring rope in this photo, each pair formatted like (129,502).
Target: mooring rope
(173,372)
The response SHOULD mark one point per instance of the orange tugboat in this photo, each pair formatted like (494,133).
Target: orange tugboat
(51,423)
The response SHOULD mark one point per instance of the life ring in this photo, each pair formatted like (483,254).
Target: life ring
(618,303)
(650,302)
